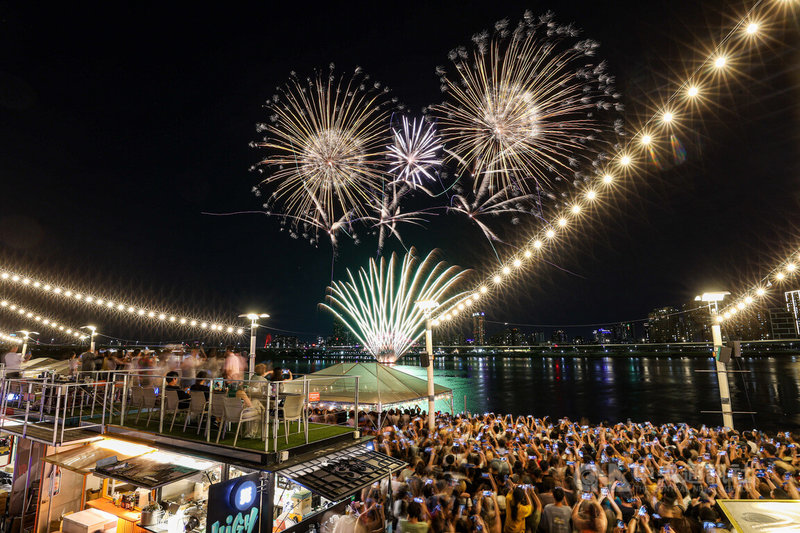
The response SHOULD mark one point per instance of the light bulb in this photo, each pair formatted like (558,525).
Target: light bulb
(693,91)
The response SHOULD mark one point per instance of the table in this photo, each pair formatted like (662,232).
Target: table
(127,519)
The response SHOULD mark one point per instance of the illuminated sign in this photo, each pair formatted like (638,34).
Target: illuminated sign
(313,397)
(233,506)
(244,495)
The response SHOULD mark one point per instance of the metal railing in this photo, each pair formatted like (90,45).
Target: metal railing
(58,407)
(93,399)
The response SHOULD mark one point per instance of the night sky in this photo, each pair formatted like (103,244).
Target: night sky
(120,126)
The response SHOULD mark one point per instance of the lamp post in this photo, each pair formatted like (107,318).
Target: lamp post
(93,330)
(26,335)
(253,325)
(427,307)
(713,299)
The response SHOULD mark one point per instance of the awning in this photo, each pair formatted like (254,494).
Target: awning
(154,470)
(338,475)
(83,459)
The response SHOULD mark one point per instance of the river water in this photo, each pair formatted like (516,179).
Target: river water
(655,388)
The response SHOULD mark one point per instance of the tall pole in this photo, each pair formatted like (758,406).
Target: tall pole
(431,394)
(253,326)
(91,344)
(24,345)
(722,372)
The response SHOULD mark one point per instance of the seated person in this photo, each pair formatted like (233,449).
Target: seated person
(260,373)
(279,374)
(201,383)
(173,383)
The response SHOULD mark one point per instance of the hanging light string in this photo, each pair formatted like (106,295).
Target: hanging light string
(116,305)
(780,275)
(623,163)
(5,337)
(33,316)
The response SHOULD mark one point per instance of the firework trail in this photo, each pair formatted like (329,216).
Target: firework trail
(526,107)
(379,303)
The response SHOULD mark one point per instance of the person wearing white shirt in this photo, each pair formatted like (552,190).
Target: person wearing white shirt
(13,361)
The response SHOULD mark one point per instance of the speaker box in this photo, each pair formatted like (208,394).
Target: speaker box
(724,354)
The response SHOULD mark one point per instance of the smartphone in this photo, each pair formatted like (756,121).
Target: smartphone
(604,491)
(487,493)
(642,511)
(620,523)
(419,500)
(586,496)
(485,475)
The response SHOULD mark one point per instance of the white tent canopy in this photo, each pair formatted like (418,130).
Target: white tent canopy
(378,385)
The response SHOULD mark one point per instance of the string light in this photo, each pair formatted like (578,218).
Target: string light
(787,268)
(9,338)
(56,325)
(105,304)
(624,158)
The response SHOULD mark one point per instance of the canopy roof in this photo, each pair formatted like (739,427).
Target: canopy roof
(377,384)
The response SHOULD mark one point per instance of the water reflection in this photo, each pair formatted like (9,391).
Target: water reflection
(659,389)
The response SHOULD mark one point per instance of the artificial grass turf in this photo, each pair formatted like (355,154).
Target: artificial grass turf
(316,432)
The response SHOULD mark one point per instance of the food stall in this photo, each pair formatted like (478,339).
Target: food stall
(158,492)
(69,481)
(312,489)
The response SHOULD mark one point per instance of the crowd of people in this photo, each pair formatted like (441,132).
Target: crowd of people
(149,366)
(498,474)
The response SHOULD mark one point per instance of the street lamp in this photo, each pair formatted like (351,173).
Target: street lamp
(93,329)
(26,335)
(713,299)
(253,325)
(427,307)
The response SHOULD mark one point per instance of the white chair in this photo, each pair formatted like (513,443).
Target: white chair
(137,401)
(198,406)
(236,411)
(149,402)
(293,409)
(172,403)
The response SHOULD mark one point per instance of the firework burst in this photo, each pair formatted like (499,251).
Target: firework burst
(524,107)
(327,139)
(379,303)
(415,152)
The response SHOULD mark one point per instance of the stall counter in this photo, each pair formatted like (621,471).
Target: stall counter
(127,519)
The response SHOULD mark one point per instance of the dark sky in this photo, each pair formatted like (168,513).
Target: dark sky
(121,125)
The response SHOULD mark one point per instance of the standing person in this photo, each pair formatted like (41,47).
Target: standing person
(557,515)
(74,365)
(13,360)
(87,361)
(189,367)
(234,369)
(518,507)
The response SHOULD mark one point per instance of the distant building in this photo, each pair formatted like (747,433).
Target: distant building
(342,336)
(578,339)
(538,338)
(793,306)
(782,324)
(507,337)
(624,333)
(559,336)
(663,325)
(602,336)
(479,328)
(695,323)
(283,341)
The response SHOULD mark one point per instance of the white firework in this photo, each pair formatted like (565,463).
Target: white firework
(380,307)
(415,152)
